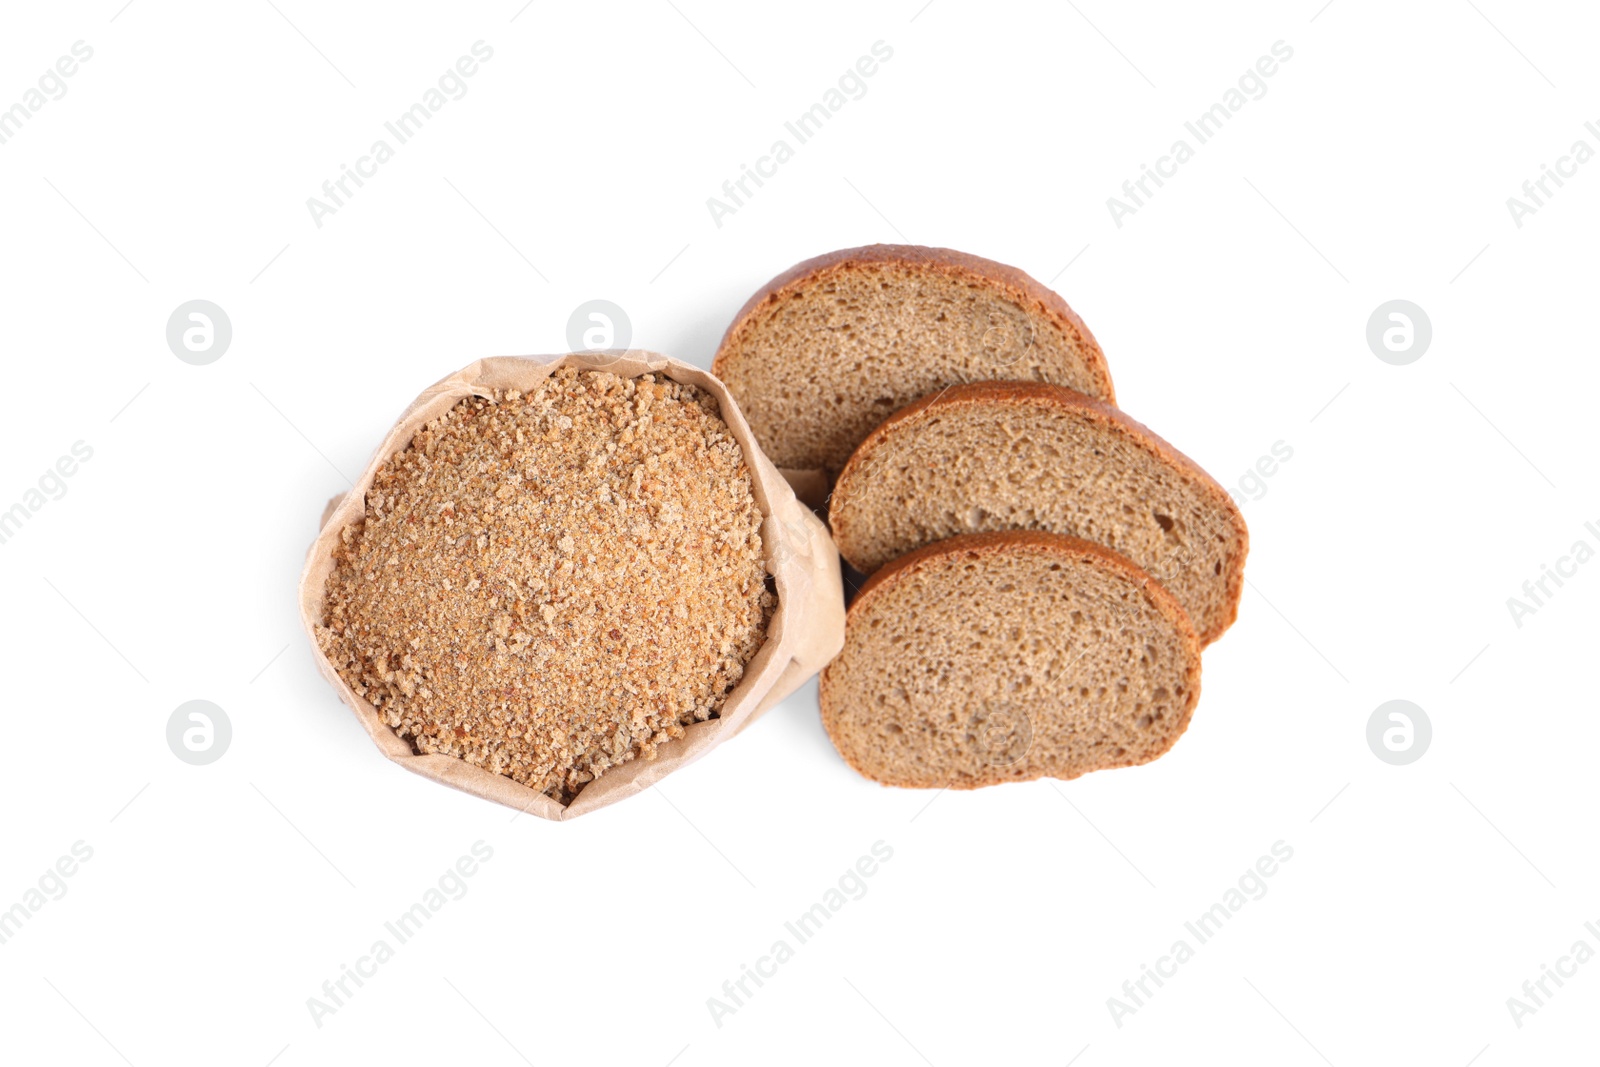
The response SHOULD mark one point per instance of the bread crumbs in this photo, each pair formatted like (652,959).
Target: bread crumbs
(550,584)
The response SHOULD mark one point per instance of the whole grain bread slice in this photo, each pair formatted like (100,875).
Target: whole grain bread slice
(828,349)
(1004,657)
(996,456)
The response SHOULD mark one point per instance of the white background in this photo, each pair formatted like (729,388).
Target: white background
(1233,310)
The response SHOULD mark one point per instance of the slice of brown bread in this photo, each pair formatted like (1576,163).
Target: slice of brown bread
(833,346)
(1025,455)
(1005,657)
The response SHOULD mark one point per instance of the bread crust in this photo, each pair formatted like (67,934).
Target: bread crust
(1019,285)
(986,544)
(1043,394)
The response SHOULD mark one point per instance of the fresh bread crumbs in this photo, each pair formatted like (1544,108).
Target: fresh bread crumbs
(550,584)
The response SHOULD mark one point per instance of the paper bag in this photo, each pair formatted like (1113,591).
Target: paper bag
(805,632)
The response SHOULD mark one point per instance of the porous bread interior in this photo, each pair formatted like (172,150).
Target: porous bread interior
(816,370)
(979,668)
(994,464)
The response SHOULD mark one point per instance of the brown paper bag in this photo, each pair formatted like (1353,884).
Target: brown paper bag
(806,630)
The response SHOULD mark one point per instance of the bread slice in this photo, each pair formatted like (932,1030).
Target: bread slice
(1004,657)
(833,346)
(1025,455)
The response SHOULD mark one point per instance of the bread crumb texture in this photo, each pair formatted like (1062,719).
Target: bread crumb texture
(1007,657)
(818,368)
(548,585)
(1043,458)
